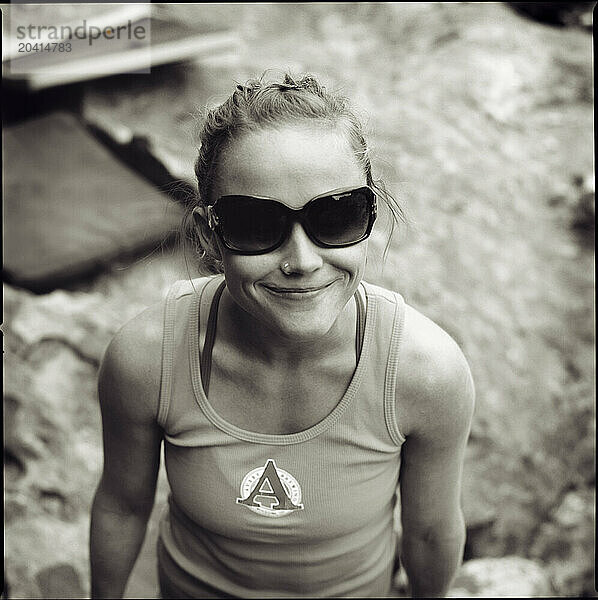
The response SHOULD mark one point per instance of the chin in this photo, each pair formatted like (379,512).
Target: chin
(296,325)
(301,329)
(301,320)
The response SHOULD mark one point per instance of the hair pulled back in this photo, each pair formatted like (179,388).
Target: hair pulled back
(257,105)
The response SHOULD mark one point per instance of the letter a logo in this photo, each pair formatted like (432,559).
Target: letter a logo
(270,491)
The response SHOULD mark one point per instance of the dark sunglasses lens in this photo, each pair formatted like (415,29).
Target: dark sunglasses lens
(249,224)
(338,220)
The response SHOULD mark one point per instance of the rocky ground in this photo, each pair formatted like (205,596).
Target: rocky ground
(481,123)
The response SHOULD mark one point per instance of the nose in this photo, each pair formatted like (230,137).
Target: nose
(301,254)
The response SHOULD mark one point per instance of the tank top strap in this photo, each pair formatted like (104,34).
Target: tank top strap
(181,298)
(360,325)
(388,312)
(206,355)
(390,381)
(168,343)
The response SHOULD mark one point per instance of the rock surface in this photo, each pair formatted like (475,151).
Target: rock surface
(52,439)
(510,576)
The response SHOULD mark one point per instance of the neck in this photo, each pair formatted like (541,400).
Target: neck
(254,337)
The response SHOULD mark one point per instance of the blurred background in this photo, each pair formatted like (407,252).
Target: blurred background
(480,120)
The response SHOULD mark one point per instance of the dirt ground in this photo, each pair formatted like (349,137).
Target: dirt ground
(481,123)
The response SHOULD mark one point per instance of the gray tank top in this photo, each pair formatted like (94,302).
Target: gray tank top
(269,515)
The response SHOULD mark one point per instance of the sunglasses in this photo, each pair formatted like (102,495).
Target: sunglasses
(257,225)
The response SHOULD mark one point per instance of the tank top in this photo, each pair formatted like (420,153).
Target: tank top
(256,515)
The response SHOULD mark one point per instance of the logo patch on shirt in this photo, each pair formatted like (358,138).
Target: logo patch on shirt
(270,491)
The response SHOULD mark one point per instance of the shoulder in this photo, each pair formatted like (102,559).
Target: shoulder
(435,391)
(129,377)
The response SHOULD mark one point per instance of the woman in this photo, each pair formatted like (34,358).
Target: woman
(288,392)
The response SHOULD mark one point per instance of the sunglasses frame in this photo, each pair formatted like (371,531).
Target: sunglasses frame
(299,216)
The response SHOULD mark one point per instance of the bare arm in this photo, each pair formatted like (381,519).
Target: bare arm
(437,400)
(128,389)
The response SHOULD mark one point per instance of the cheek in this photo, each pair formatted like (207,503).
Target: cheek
(242,270)
(352,259)
(239,268)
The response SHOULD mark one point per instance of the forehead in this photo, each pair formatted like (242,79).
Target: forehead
(294,163)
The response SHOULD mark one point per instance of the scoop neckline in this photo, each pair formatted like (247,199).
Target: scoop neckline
(278,439)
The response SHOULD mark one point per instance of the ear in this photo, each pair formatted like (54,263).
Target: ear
(200,216)
(201,219)
(205,235)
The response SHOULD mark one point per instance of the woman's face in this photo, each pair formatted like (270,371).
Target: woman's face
(293,164)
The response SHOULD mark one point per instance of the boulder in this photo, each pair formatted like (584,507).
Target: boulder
(501,577)
(82,321)
(52,443)
(565,542)
(60,581)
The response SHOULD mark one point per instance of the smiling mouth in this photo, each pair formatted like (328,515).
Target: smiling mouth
(297,290)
